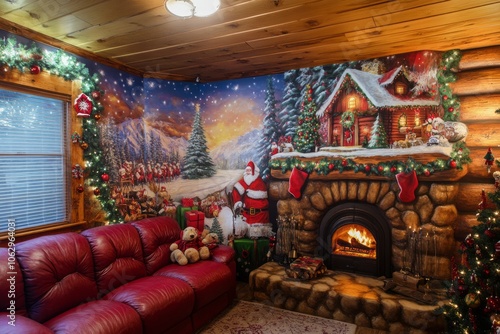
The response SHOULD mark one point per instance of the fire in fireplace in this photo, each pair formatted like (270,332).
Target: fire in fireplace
(356,237)
(354,240)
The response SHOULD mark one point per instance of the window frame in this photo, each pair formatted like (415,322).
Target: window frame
(52,86)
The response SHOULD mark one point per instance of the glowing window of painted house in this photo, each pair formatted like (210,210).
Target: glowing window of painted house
(351,103)
(400,88)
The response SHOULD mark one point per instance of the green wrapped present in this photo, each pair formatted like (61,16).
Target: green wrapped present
(250,254)
(180,215)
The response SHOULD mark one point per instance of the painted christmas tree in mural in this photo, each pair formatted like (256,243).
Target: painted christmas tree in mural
(475,286)
(378,135)
(270,131)
(290,111)
(307,135)
(217,229)
(197,163)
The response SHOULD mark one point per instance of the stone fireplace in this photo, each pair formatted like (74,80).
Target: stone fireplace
(373,205)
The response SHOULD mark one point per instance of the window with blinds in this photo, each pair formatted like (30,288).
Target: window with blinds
(33,159)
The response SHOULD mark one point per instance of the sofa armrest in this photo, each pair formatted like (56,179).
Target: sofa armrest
(22,325)
(223,254)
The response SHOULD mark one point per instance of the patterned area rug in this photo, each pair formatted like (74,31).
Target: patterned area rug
(254,318)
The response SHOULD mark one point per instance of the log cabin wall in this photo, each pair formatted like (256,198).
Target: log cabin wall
(477,86)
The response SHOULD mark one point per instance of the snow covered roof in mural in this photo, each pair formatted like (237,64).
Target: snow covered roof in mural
(389,77)
(372,86)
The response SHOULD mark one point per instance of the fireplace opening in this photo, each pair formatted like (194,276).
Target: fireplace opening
(354,240)
(356,237)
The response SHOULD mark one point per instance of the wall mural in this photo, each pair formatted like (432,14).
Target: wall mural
(164,142)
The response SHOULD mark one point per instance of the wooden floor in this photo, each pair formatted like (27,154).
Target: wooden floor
(243,293)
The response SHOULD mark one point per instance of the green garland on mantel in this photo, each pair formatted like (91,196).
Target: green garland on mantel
(458,157)
(32,59)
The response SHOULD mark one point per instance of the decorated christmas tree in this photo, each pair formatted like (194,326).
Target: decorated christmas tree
(475,287)
(378,137)
(197,162)
(217,229)
(307,133)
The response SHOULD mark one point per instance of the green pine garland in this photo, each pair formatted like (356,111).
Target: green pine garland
(446,74)
(14,55)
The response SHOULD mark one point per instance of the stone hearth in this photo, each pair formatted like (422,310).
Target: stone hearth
(433,213)
(345,297)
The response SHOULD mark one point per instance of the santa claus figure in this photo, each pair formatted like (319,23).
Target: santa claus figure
(250,197)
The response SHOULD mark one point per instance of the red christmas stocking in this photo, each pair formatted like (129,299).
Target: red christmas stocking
(297,179)
(407,182)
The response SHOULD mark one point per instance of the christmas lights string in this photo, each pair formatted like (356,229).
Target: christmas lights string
(34,59)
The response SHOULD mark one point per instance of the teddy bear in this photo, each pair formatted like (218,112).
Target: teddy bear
(211,240)
(189,248)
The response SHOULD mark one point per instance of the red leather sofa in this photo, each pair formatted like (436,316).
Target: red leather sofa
(112,279)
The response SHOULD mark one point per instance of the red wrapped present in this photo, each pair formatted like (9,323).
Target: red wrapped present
(195,219)
(187,202)
(306,267)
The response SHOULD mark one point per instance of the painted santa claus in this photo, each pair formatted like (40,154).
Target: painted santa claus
(250,198)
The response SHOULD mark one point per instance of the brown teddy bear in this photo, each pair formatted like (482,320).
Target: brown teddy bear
(189,248)
(211,240)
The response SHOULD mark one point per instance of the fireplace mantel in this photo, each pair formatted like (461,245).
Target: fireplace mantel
(375,157)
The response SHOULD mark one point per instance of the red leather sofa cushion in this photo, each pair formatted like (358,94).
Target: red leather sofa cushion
(160,301)
(58,274)
(97,317)
(157,234)
(208,279)
(117,253)
(23,325)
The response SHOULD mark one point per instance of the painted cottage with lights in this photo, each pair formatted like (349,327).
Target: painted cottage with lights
(360,96)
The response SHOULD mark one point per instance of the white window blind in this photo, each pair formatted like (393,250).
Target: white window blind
(33,160)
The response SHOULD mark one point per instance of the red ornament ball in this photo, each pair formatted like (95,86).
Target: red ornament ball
(489,233)
(427,172)
(79,189)
(453,164)
(445,97)
(105,177)
(393,169)
(331,166)
(96,95)
(451,109)
(97,191)
(462,289)
(367,168)
(380,168)
(469,241)
(35,69)
(344,163)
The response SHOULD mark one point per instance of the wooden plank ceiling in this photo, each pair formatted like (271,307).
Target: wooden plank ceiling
(250,37)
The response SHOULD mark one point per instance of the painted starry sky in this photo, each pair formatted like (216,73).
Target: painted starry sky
(229,109)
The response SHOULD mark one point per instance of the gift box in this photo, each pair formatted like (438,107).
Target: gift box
(195,219)
(180,214)
(250,254)
(187,202)
(306,267)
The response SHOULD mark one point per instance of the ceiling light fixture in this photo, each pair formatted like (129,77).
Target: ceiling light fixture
(190,8)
